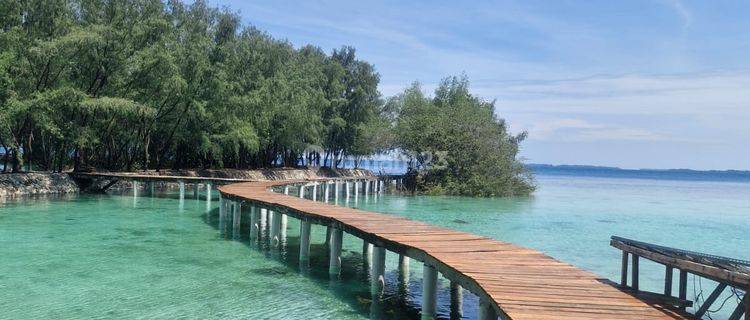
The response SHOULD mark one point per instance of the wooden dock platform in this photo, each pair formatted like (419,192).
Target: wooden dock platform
(518,283)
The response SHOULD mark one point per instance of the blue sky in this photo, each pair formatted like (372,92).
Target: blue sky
(634,84)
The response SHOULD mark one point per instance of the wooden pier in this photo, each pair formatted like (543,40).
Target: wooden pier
(727,272)
(512,282)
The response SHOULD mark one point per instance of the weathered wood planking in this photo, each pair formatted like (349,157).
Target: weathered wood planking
(522,283)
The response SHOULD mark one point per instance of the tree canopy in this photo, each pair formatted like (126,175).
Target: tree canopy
(153,84)
(149,84)
(457,143)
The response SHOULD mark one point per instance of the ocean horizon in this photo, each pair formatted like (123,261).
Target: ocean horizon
(396,166)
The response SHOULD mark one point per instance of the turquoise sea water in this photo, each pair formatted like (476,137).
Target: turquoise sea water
(119,256)
(572,218)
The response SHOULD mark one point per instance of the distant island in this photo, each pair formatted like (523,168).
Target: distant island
(659,174)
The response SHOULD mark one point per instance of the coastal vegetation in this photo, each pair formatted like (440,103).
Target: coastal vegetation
(457,143)
(136,85)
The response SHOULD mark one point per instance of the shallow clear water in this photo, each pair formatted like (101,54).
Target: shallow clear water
(116,256)
(572,218)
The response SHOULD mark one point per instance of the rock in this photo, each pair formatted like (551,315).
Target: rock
(36,183)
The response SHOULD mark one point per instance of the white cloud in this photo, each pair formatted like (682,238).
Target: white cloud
(680,8)
(579,130)
(722,93)
(695,109)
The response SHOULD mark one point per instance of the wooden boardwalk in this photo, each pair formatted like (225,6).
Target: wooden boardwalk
(519,283)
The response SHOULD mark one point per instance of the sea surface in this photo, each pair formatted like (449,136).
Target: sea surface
(139,257)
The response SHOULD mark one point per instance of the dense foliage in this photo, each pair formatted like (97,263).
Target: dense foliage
(149,84)
(125,85)
(457,144)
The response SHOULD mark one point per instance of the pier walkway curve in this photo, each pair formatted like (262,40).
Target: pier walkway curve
(511,282)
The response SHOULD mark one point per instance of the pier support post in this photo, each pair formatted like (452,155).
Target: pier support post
(377,280)
(222,217)
(403,272)
(326,190)
(429,292)
(328,235)
(236,216)
(380,187)
(356,189)
(135,188)
(182,190)
(286,190)
(304,241)
(254,224)
(275,218)
(457,300)
(334,261)
(635,273)
(486,311)
(222,206)
(282,227)
(196,187)
(208,198)
(336,193)
(346,186)
(668,281)
(315,192)
(624,270)
(367,253)
(302,192)
(263,222)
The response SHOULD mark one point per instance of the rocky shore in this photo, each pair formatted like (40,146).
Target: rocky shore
(41,183)
(29,184)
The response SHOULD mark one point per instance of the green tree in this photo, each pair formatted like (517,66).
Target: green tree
(457,144)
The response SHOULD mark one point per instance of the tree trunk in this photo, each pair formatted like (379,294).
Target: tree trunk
(6,157)
(76,160)
(17,161)
(61,158)
(27,151)
(145,152)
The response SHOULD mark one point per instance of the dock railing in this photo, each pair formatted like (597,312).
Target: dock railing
(727,272)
